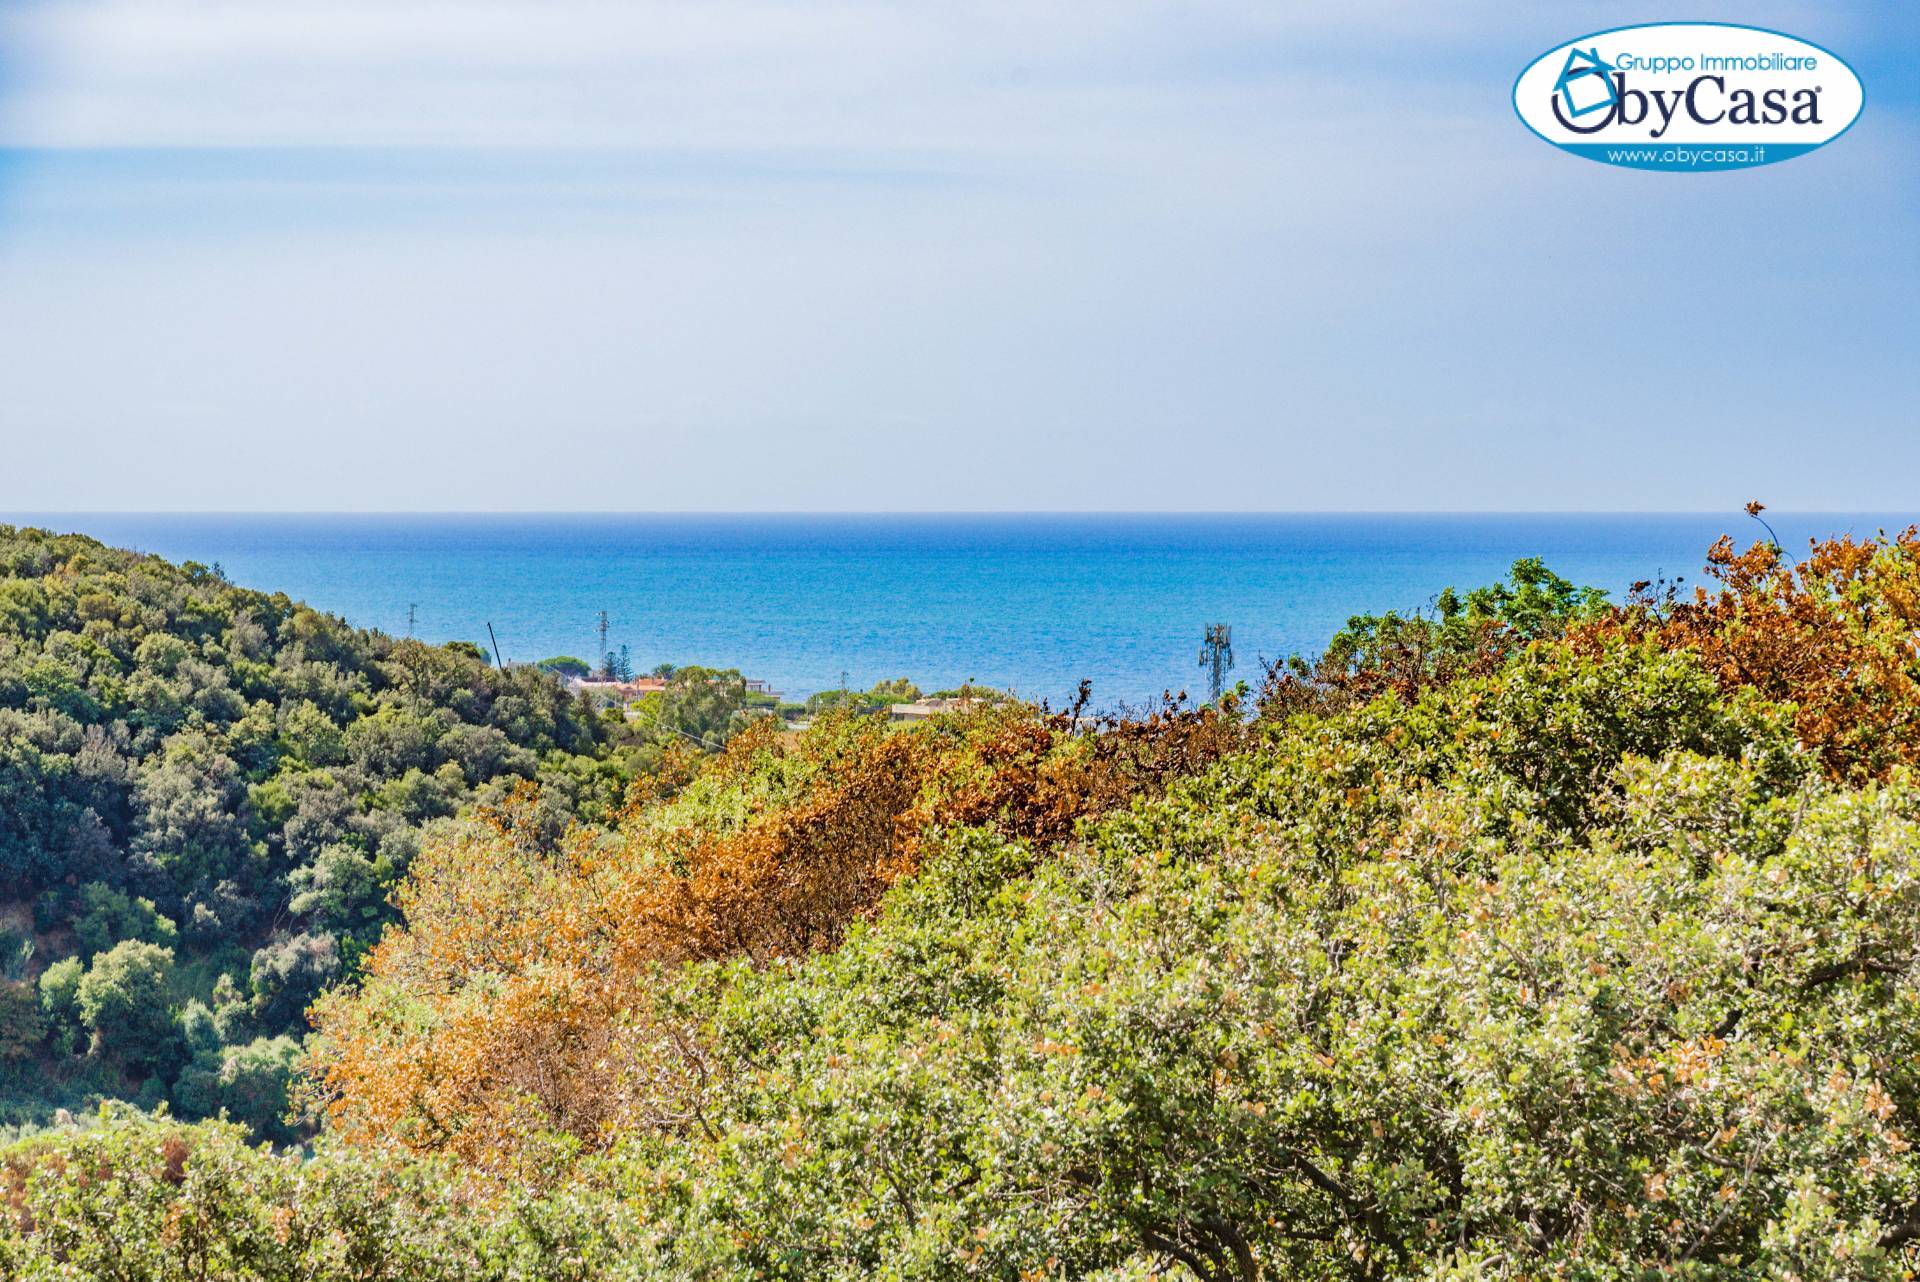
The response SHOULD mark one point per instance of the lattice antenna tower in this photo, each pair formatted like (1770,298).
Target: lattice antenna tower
(1216,656)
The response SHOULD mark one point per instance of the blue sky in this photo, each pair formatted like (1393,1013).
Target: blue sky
(837,255)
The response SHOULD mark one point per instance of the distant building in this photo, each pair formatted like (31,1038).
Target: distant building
(619,691)
(922,709)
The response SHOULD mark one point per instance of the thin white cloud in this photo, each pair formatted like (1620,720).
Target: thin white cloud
(592,73)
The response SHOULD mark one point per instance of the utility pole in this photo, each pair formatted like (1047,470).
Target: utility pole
(1216,655)
(496,647)
(411,607)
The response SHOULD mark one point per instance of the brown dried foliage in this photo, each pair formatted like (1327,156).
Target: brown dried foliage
(515,1006)
(1837,635)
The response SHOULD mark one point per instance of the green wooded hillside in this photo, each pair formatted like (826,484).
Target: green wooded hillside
(207,795)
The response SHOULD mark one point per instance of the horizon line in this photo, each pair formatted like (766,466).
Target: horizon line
(11,515)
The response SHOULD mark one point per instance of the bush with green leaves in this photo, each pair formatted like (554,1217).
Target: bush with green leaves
(22,1025)
(705,706)
(138,1199)
(104,917)
(1463,635)
(1526,979)
(59,987)
(246,1083)
(874,701)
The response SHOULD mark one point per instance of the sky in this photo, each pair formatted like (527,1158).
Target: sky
(840,255)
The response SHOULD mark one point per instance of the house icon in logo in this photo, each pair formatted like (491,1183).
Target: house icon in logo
(1584,84)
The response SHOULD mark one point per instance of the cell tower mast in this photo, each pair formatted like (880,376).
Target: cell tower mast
(1216,655)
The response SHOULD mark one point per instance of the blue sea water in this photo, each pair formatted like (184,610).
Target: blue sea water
(1030,602)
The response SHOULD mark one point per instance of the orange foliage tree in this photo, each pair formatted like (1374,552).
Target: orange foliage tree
(510,1020)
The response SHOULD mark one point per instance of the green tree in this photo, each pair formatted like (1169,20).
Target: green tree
(876,700)
(248,1084)
(1462,636)
(288,973)
(707,705)
(60,1003)
(1372,1002)
(106,916)
(125,1000)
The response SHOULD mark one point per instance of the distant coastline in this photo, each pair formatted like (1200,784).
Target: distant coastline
(1031,602)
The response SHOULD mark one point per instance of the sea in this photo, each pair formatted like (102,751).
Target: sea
(1033,603)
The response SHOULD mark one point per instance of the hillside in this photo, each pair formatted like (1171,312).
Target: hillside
(1531,937)
(207,796)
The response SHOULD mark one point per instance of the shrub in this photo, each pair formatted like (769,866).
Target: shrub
(1684,1042)
(147,1200)
(1560,949)
(516,1004)
(22,1026)
(1405,654)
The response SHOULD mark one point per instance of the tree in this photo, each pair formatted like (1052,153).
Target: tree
(310,736)
(526,972)
(125,1001)
(1594,964)
(616,665)
(105,916)
(566,665)
(342,891)
(1362,1005)
(133,1197)
(877,700)
(60,1003)
(190,800)
(1463,636)
(704,704)
(288,973)
(248,1084)
(1831,634)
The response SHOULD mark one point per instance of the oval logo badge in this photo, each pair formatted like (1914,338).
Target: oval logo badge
(1691,97)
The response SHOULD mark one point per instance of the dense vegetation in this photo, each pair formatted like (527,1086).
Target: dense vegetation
(1533,937)
(207,796)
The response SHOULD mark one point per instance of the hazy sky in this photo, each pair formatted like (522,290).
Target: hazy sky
(552,254)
